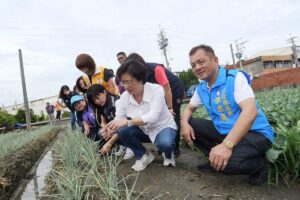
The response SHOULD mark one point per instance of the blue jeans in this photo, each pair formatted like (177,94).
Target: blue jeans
(73,120)
(133,137)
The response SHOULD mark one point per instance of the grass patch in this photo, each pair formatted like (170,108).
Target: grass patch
(10,142)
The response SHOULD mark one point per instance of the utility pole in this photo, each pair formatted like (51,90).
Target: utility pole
(232,54)
(163,43)
(294,48)
(26,105)
(240,50)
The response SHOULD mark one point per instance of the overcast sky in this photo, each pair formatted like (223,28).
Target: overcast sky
(52,33)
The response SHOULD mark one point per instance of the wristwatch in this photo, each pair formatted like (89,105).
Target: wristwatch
(228,144)
(129,123)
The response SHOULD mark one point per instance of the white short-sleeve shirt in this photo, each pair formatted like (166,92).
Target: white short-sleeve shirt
(242,91)
(152,110)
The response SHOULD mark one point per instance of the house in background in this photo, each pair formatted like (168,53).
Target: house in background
(269,61)
(38,106)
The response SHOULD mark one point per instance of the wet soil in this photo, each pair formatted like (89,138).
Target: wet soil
(15,166)
(186,182)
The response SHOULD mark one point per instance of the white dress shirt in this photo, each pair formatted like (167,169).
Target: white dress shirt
(152,110)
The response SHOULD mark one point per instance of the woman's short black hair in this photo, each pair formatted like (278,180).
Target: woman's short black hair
(94,91)
(134,68)
(61,92)
(79,88)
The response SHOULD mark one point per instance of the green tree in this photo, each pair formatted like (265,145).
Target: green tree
(21,117)
(66,114)
(42,117)
(6,119)
(188,78)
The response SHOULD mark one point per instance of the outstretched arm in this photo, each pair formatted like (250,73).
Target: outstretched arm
(187,130)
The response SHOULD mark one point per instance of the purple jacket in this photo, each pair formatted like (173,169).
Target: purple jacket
(89,117)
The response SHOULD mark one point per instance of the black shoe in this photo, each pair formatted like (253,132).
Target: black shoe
(259,177)
(205,167)
(177,153)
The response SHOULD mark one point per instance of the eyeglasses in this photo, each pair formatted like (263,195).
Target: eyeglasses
(127,82)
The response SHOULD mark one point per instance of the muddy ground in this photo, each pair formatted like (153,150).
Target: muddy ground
(185,182)
(15,166)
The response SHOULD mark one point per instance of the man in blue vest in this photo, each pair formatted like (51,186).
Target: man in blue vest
(238,134)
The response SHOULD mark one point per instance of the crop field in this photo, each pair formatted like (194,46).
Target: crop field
(78,172)
(282,108)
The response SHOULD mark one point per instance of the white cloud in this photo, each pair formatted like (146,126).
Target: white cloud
(52,33)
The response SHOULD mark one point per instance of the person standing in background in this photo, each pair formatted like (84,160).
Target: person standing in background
(58,109)
(121,56)
(50,111)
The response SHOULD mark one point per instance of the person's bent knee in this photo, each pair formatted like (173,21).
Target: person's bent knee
(123,132)
(166,144)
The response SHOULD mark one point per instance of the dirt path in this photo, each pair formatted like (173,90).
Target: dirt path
(186,182)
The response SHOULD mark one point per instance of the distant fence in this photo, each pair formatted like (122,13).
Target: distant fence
(281,78)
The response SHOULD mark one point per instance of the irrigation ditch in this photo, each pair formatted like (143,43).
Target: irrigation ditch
(17,168)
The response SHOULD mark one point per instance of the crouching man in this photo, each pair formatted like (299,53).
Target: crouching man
(238,134)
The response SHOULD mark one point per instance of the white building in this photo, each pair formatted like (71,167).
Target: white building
(38,106)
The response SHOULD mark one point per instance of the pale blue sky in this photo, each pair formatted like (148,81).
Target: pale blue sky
(52,33)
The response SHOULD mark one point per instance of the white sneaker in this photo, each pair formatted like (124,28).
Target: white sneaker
(120,151)
(141,164)
(128,154)
(167,162)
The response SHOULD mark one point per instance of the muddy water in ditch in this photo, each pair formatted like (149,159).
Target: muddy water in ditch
(35,187)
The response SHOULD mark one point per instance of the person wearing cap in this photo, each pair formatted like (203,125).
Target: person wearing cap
(65,95)
(86,115)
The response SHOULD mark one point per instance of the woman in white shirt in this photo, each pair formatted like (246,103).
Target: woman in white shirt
(142,116)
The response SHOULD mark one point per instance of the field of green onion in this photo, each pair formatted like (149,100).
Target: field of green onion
(80,173)
(11,142)
(282,108)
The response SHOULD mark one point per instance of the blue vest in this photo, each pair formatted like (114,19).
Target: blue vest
(222,108)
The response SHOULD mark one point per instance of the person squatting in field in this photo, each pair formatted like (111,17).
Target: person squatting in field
(142,116)
(66,94)
(104,106)
(173,90)
(238,135)
(85,114)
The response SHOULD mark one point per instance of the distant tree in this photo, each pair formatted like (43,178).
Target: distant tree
(21,117)
(66,114)
(42,117)
(188,78)
(6,119)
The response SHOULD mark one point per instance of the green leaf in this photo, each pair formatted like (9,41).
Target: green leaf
(273,154)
